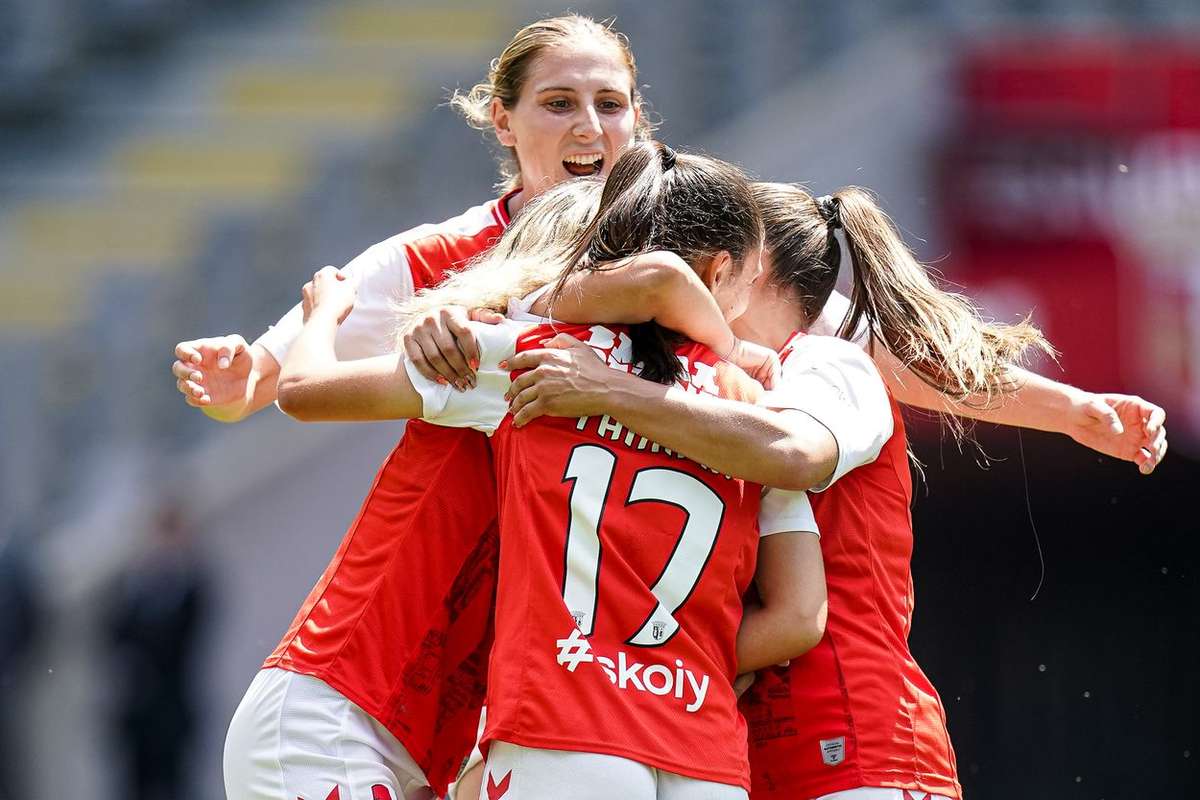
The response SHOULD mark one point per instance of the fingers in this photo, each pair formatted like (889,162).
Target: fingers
(326,274)
(1155,421)
(742,683)
(446,340)
(485,315)
(525,407)
(1154,453)
(564,341)
(187,351)
(192,391)
(465,343)
(416,357)
(186,371)
(1105,414)
(531,359)
(770,377)
(523,382)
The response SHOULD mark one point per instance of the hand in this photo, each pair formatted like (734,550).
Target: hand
(567,379)
(742,683)
(1120,425)
(213,374)
(761,363)
(443,348)
(332,291)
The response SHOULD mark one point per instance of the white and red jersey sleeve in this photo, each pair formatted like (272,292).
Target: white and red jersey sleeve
(838,385)
(390,272)
(481,408)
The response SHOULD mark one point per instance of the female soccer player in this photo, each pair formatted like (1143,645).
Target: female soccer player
(855,718)
(616,553)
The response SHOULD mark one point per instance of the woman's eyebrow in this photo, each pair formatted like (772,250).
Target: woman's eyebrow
(573,89)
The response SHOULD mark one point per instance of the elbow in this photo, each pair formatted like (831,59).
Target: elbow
(293,398)
(795,469)
(806,630)
(665,277)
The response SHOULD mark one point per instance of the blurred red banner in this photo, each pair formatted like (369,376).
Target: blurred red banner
(1072,187)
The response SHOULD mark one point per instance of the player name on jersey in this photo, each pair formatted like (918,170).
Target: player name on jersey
(609,429)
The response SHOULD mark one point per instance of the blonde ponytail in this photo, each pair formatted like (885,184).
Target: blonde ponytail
(530,254)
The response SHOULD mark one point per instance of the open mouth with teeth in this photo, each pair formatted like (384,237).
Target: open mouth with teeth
(584,165)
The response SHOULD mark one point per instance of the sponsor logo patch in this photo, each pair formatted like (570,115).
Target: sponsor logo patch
(833,751)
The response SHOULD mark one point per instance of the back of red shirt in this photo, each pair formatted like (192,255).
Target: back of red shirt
(622,567)
(856,710)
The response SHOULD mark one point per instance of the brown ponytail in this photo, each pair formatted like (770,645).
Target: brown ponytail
(940,336)
(655,199)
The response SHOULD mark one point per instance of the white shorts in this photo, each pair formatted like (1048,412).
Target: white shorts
(293,736)
(873,793)
(527,773)
(474,760)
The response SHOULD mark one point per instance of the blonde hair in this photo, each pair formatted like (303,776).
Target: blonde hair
(940,336)
(508,73)
(530,254)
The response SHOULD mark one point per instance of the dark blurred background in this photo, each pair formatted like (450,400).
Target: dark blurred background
(177,168)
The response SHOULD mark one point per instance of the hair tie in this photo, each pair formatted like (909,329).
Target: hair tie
(668,158)
(830,209)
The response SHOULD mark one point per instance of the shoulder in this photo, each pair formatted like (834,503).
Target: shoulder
(809,353)
(429,250)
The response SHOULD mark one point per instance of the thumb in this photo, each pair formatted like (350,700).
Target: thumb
(230,347)
(1104,414)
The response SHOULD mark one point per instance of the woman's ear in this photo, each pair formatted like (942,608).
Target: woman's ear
(717,270)
(501,120)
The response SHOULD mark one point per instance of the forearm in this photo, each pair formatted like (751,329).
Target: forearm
(655,287)
(772,636)
(790,619)
(315,387)
(739,439)
(1036,402)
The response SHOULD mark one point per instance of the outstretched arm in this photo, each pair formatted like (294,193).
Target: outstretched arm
(1122,426)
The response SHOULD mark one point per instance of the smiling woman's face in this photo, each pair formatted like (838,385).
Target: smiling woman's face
(574,116)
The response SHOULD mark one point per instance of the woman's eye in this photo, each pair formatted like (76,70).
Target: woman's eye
(558,105)
(610,106)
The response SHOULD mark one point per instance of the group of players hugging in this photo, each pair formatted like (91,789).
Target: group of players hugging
(647,534)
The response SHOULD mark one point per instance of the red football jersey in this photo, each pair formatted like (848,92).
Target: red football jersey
(622,567)
(400,622)
(856,710)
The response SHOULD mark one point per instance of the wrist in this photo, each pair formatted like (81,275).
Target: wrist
(623,394)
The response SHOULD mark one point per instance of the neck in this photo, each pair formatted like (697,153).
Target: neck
(772,318)
(516,203)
